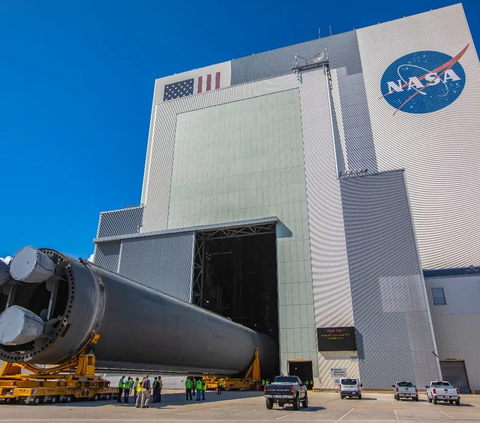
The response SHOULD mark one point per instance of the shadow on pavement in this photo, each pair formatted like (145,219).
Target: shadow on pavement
(171,398)
(446,404)
(300,410)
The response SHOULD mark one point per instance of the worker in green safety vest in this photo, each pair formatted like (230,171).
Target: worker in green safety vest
(219,387)
(120,388)
(188,388)
(204,388)
(198,388)
(126,390)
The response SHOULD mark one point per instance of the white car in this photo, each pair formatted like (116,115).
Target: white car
(441,390)
(350,387)
(405,389)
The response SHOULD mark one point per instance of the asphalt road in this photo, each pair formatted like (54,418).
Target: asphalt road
(250,407)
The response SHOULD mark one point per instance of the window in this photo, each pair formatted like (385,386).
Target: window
(438,296)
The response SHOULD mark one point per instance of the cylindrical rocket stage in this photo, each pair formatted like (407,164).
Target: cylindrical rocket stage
(139,327)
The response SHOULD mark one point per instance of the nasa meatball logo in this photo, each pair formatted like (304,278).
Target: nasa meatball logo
(423,82)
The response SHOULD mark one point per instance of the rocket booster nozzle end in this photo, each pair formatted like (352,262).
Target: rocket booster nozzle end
(19,326)
(32,266)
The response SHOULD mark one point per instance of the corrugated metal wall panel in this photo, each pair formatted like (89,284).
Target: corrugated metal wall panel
(164,263)
(439,150)
(331,287)
(107,255)
(120,222)
(390,306)
(341,49)
(359,146)
(456,324)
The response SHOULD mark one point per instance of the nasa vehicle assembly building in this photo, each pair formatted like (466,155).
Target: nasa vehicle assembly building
(302,192)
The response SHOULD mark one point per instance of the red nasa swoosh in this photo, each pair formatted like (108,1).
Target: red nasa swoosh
(443,68)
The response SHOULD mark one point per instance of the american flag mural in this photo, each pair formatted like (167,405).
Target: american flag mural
(200,84)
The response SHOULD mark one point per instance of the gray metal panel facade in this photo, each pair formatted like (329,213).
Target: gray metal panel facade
(164,263)
(359,145)
(120,222)
(395,336)
(342,51)
(107,255)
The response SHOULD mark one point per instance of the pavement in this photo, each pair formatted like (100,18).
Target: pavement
(250,407)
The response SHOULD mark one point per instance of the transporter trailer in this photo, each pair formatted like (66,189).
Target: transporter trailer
(52,384)
(252,380)
(54,308)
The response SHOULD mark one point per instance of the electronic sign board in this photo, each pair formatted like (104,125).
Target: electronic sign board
(336,339)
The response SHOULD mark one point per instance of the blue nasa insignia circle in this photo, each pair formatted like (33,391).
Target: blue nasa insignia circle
(423,82)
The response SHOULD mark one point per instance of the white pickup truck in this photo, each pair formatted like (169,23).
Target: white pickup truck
(442,391)
(405,389)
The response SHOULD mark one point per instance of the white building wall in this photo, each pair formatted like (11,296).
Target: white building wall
(438,150)
(331,283)
(457,324)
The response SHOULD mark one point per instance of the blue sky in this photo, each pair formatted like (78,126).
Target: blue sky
(76,87)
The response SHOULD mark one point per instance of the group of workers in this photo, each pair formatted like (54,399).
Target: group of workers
(142,389)
(199,386)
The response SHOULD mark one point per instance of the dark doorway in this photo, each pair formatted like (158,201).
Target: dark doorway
(455,373)
(236,276)
(302,369)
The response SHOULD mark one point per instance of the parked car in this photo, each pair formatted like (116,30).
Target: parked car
(405,389)
(443,391)
(350,387)
(286,390)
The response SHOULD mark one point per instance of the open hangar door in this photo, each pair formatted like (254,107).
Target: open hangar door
(235,275)
(456,374)
(304,370)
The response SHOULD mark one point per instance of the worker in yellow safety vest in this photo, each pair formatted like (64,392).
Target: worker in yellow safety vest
(204,388)
(198,388)
(120,388)
(188,388)
(219,387)
(135,386)
(138,390)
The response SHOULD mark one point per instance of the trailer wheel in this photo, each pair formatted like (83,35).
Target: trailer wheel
(53,400)
(107,397)
(96,397)
(269,403)
(68,398)
(37,400)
